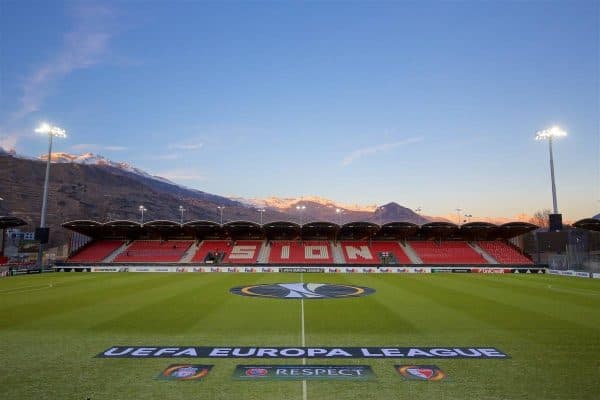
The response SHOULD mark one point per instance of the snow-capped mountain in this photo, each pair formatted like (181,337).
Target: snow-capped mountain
(96,159)
(284,203)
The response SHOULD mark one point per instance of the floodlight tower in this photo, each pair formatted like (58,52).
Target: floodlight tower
(300,209)
(261,211)
(554,132)
(181,210)
(221,208)
(458,211)
(142,210)
(381,210)
(51,131)
(338,212)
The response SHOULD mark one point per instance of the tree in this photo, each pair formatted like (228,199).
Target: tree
(540,218)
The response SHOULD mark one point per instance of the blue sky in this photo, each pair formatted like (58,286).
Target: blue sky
(431,104)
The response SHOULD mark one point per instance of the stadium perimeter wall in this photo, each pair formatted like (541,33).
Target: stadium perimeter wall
(348,268)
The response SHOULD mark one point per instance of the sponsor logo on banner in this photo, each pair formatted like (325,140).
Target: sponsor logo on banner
(582,274)
(421,372)
(249,269)
(303,372)
(267,269)
(302,291)
(301,269)
(185,372)
(300,352)
(489,270)
(595,275)
(181,269)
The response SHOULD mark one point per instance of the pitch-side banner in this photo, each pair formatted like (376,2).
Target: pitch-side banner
(300,352)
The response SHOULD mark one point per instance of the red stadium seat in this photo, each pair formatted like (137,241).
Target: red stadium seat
(448,252)
(295,252)
(363,252)
(240,252)
(96,251)
(504,253)
(154,251)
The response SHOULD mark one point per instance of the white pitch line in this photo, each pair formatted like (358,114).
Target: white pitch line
(33,289)
(304,389)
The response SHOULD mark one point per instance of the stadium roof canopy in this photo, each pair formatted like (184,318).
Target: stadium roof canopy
(285,230)
(163,228)
(478,230)
(11,222)
(512,229)
(320,230)
(204,230)
(244,230)
(89,228)
(282,230)
(357,231)
(397,231)
(438,230)
(590,224)
(122,228)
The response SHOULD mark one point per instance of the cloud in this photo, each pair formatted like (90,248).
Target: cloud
(8,142)
(182,175)
(84,46)
(92,147)
(181,146)
(10,138)
(372,150)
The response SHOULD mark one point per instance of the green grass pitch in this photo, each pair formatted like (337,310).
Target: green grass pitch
(53,325)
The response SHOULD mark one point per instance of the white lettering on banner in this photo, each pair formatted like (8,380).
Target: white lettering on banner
(114,352)
(316,253)
(190,351)
(143,351)
(166,350)
(338,353)
(220,352)
(285,252)
(443,353)
(242,252)
(362,251)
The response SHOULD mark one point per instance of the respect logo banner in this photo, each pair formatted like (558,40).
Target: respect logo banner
(303,372)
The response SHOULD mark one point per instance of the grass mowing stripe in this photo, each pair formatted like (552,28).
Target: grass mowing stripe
(51,355)
(534,299)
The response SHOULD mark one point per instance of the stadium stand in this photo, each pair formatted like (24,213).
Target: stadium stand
(375,252)
(448,252)
(229,252)
(296,252)
(154,251)
(504,253)
(3,260)
(96,251)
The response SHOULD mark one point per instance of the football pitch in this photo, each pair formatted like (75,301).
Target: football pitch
(53,326)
